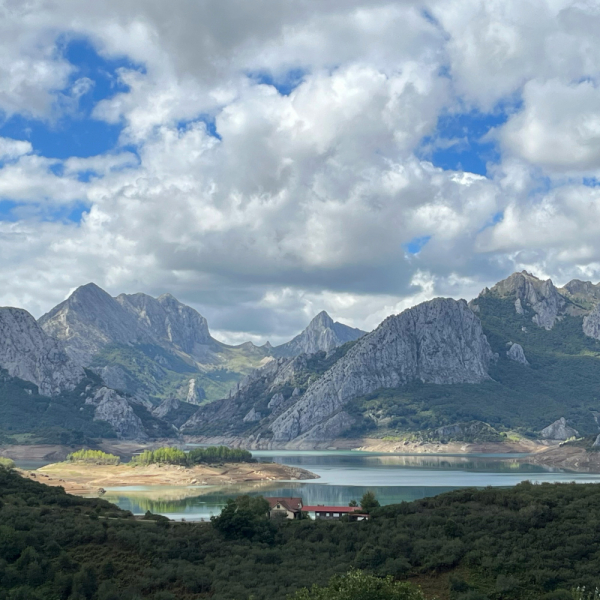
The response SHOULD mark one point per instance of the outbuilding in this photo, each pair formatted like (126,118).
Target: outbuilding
(335,512)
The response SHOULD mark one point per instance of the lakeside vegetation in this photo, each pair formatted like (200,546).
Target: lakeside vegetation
(527,542)
(93,457)
(209,455)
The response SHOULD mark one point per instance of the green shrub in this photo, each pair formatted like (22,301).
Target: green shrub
(6,463)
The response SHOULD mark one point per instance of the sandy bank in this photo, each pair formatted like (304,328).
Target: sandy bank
(82,479)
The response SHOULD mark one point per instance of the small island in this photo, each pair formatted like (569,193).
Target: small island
(89,472)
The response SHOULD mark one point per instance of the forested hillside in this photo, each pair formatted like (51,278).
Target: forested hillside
(525,542)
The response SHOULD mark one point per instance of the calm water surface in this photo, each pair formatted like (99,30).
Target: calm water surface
(348,475)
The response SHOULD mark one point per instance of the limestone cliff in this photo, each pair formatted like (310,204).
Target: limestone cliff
(530,293)
(559,430)
(117,412)
(28,353)
(440,341)
(322,333)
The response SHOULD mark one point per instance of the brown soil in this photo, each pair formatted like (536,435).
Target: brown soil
(83,479)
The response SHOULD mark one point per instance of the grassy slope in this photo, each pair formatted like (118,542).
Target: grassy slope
(526,542)
(161,374)
(563,380)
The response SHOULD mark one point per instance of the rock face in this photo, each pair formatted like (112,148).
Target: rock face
(516,353)
(584,292)
(322,334)
(559,430)
(440,341)
(117,412)
(28,353)
(91,319)
(591,323)
(165,319)
(530,292)
(166,407)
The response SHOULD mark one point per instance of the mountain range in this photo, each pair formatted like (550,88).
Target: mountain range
(523,358)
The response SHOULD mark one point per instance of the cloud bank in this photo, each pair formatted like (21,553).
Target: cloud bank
(263,161)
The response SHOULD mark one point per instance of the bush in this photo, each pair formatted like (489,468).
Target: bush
(7,463)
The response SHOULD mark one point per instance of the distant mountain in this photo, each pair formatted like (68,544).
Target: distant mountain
(439,341)
(157,347)
(28,353)
(526,355)
(322,333)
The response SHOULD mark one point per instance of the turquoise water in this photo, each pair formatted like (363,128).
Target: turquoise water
(346,475)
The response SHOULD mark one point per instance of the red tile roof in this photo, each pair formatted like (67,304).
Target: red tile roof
(287,503)
(335,509)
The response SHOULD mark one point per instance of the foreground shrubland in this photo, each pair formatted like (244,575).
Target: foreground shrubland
(531,541)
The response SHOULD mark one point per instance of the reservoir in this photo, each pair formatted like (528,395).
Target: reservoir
(347,475)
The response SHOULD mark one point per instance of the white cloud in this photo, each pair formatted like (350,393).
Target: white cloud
(307,200)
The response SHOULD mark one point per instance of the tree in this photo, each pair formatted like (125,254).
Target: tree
(357,585)
(243,517)
(368,502)
(353,503)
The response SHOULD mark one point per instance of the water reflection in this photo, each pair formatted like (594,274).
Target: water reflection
(345,476)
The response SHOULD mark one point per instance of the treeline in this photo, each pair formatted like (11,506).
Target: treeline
(175,456)
(524,543)
(93,457)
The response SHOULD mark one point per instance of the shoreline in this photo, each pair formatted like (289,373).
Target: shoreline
(549,453)
(85,479)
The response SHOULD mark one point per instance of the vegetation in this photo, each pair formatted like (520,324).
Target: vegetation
(218,454)
(93,457)
(562,380)
(368,502)
(357,585)
(166,456)
(6,463)
(528,542)
(174,456)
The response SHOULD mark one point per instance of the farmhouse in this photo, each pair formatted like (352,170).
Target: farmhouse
(335,512)
(289,508)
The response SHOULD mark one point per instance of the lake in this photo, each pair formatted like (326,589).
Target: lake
(346,475)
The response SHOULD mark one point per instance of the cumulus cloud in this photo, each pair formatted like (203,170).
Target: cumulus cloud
(262,208)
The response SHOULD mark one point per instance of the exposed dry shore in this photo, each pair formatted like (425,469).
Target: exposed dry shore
(379,445)
(84,479)
(567,457)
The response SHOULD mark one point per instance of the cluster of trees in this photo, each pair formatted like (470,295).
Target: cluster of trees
(93,457)
(530,541)
(216,454)
(209,455)
(6,463)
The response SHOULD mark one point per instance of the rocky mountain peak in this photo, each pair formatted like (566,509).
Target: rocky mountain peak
(530,292)
(440,341)
(28,353)
(88,320)
(322,334)
(585,293)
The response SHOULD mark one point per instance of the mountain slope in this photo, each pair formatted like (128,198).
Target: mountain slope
(28,353)
(157,347)
(440,342)
(323,333)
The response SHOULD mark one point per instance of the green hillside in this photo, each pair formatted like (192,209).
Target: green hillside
(161,374)
(563,380)
(530,542)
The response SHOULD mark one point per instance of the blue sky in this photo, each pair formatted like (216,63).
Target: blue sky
(411,151)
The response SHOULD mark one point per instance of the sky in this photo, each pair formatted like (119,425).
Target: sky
(263,161)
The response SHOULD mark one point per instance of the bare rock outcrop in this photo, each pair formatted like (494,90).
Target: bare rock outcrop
(28,353)
(532,293)
(322,334)
(166,407)
(440,341)
(591,323)
(559,430)
(517,354)
(117,412)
